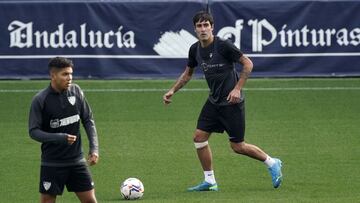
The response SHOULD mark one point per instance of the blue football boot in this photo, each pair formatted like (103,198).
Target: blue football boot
(204,186)
(275,172)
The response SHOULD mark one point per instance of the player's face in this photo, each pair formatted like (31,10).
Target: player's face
(61,79)
(204,30)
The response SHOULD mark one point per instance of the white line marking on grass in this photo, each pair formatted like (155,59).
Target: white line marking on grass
(16,91)
(195,89)
(300,88)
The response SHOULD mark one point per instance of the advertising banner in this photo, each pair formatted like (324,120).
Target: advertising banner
(294,38)
(150,39)
(120,39)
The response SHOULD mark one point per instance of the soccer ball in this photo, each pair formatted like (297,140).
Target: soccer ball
(132,188)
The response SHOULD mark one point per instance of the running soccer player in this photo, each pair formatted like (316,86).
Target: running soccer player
(54,121)
(224,109)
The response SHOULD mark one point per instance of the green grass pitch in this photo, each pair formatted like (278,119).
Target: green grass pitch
(311,124)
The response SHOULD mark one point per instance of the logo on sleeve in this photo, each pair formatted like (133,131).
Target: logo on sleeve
(72,100)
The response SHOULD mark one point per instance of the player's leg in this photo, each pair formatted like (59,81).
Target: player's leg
(81,183)
(233,118)
(51,183)
(87,196)
(205,156)
(46,198)
(207,123)
(274,165)
(249,150)
(203,149)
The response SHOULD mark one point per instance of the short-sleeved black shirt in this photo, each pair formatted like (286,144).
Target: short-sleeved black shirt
(218,64)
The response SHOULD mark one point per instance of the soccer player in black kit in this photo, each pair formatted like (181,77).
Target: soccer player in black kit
(54,121)
(224,109)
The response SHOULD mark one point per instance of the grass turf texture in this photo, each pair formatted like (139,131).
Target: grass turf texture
(311,124)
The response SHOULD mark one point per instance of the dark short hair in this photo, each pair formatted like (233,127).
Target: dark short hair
(202,16)
(59,63)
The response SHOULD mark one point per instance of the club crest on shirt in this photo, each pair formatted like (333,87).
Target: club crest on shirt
(47,185)
(210,55)
(72,100)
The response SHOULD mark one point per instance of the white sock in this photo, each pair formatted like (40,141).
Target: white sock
(209,177)
(269,162)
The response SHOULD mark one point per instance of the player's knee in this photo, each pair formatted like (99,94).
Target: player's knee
(90,200)
(201,139)
(45,198)
(238,148)
(87,197)
(200,145)
(198,139)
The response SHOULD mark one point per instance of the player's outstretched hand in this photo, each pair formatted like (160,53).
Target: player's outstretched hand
(167,96)
(93,159)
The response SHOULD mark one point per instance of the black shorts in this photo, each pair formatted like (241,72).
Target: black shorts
(230,118)
(76,178)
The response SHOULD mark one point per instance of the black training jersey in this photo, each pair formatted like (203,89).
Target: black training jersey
(218,64)
(52,116)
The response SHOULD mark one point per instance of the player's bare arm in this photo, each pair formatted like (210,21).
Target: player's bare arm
(235,94)
(184,78)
